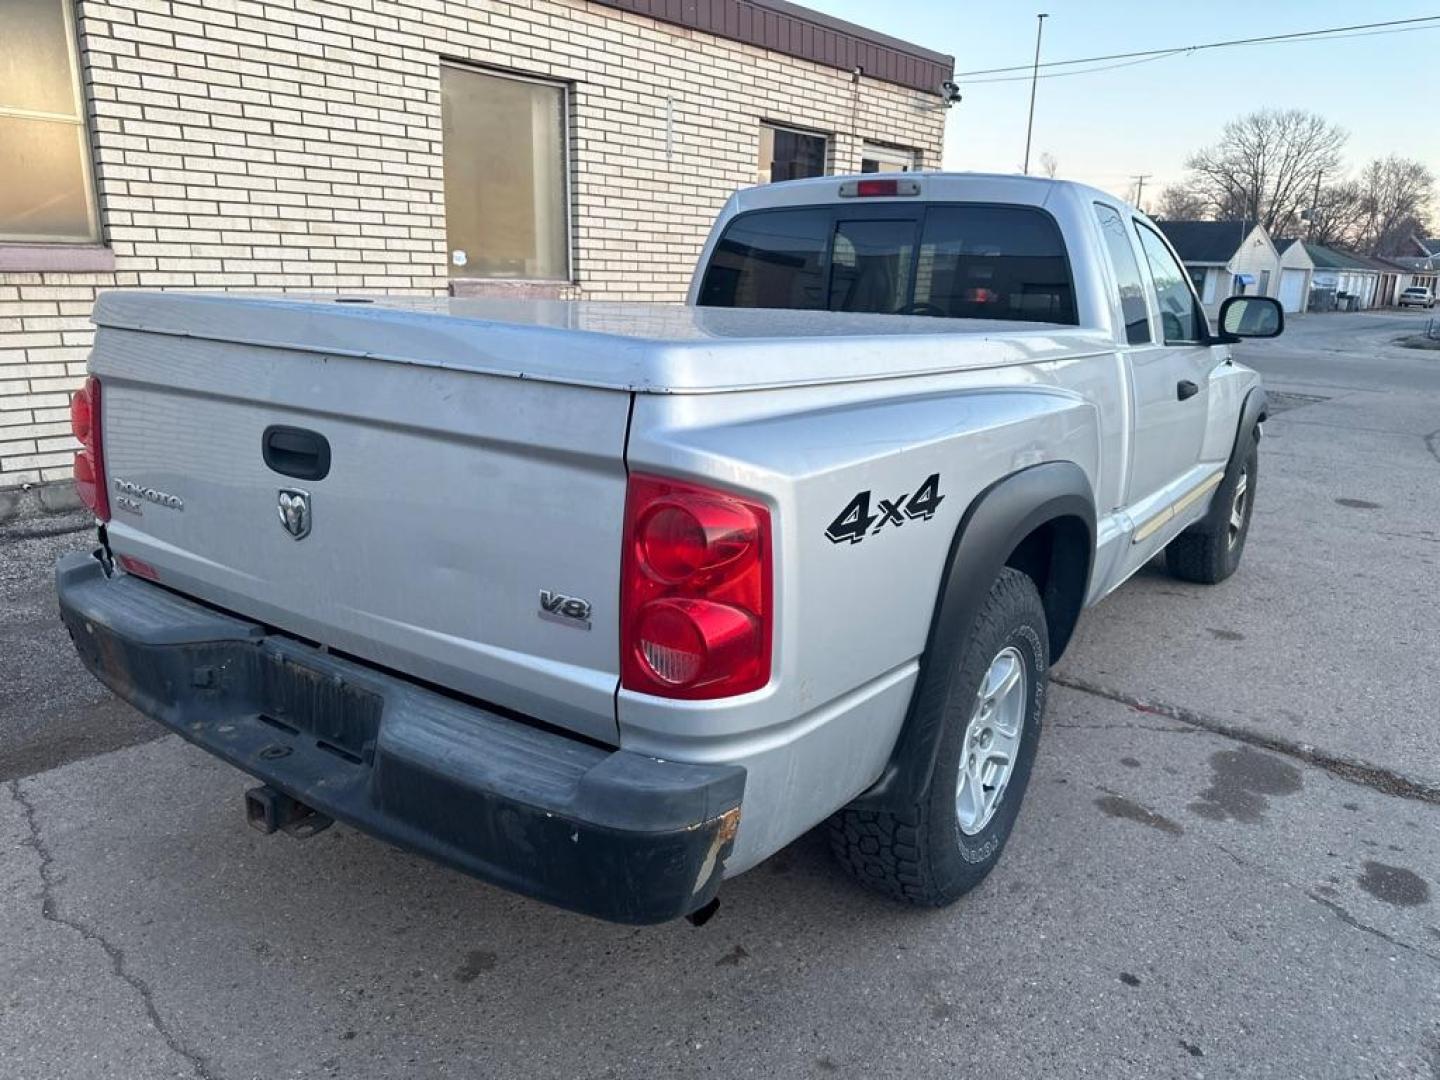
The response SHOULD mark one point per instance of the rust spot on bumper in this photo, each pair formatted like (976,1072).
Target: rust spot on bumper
(720,843)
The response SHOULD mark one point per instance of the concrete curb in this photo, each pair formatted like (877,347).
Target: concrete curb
(37,500)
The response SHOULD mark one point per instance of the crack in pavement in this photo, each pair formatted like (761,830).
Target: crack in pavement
(1355,924)
(1120,727)
(1335,909)
(49,910)
(1432,443)
(1362,773)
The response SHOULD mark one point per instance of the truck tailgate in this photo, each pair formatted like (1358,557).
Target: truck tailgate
(452,500)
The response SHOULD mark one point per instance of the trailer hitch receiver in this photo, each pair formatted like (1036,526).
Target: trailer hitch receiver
(268,811)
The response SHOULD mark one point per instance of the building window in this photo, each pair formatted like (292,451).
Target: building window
(46,194)
(789,155)
(506,190)
(875,158)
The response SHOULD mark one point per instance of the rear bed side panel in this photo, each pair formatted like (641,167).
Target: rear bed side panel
(852,617)
(452,500)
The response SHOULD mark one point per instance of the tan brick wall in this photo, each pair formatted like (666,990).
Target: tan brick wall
(295,145)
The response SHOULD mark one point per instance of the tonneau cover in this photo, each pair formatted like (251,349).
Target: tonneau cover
(647,348)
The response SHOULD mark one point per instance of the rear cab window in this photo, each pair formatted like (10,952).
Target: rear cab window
(948,260)
(770,259)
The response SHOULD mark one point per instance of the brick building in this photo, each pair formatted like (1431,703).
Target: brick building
(550,147)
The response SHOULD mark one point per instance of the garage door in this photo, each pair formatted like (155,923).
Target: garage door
(1292,290)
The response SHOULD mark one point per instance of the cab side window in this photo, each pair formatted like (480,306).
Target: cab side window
(1127,275)
(1180,319)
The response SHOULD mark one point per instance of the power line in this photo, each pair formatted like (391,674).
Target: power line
(1150,59)
(1069,74)
(1208,45)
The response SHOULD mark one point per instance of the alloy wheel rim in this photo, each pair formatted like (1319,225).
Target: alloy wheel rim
(992,741)
(1238,507)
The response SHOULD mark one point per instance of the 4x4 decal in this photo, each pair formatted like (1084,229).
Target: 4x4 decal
(855,522)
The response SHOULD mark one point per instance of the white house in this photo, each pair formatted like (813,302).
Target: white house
(1226,258)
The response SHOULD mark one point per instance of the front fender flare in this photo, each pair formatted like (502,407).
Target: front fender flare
(1252,411)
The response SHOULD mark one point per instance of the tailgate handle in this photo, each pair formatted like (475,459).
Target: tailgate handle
(296,452)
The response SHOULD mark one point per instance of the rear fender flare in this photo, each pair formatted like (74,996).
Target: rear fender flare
(991,529)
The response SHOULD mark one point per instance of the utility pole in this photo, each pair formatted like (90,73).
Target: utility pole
(1034,78)
(1314,203)
(1140,189)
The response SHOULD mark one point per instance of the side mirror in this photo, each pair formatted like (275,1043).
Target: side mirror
(1251,317)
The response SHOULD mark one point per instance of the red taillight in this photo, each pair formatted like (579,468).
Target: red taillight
(695,605)
(680,535)
(90,458)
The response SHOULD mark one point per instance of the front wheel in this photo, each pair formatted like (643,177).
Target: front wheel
(1209,551)
(933,853)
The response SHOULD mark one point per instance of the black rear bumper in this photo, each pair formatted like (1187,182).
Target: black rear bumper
(609,833)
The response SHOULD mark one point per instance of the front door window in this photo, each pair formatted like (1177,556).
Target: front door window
(1180,319)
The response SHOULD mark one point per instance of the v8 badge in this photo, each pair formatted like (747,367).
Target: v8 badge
(856,521)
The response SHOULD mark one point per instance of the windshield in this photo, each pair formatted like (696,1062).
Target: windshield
(968,261)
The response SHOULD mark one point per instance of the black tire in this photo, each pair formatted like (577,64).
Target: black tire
(920,855)
(1209,551)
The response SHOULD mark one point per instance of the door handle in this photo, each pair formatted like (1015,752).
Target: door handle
(1185,389)
(296,452)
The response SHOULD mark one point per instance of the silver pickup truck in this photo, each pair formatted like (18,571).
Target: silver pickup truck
(606,602)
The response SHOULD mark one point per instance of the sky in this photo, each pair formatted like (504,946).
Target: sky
(1104,128)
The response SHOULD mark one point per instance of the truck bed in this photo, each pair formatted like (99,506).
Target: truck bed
(644,348)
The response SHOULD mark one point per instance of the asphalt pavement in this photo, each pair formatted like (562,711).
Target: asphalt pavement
(51,709)
(1227,864)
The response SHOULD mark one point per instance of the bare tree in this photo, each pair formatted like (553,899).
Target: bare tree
(1396,194)
(1180,203)
(1048,165)
(1265,166)
(1336,218)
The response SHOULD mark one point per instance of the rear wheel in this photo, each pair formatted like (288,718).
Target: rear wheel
(934,852)
(1209,551)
